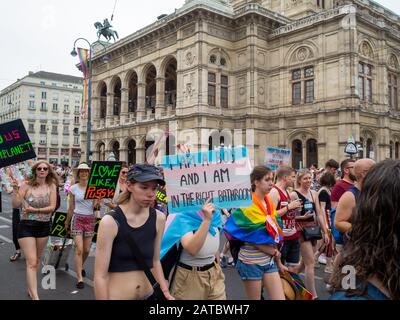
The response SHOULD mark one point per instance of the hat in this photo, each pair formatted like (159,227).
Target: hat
(145,173)
(82,166)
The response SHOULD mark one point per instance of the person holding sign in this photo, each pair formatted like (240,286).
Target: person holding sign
(37,199)
(119,273)
(81,212)
(121,187)
(259,259)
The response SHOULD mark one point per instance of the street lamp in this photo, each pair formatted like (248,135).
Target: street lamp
(89,110)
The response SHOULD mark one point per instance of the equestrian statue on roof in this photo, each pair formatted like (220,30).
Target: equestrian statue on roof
(104,29)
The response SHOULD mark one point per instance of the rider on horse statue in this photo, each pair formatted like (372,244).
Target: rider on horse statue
(105,30)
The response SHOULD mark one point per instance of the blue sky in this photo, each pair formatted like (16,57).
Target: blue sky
(39,34)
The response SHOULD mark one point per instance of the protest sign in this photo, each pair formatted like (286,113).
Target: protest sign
(15,145)
(103,179)
(161,196)
(223,175)
(58,226)
(276,157)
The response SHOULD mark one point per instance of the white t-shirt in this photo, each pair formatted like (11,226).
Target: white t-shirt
(82,206)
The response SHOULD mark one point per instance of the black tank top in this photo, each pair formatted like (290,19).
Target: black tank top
(303,209)
(122,259)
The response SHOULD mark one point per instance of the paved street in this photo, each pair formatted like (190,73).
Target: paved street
(12,275)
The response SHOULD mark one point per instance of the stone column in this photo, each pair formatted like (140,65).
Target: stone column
(141,100)
(160,96)
(124,105)
(110,108)
(123,154)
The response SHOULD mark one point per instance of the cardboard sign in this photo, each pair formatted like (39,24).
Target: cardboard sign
(15,145)
(58,226)
(103,179)
(161,196)
(276,157)
(222,175)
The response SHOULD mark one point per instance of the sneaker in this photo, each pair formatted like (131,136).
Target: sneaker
(231,262)
(224,262)
(322,259)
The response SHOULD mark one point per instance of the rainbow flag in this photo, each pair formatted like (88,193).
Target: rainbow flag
(84,62)
(304,294)
(255,224)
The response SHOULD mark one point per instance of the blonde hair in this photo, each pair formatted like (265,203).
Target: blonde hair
(300,174)
(124,197)
(51,176)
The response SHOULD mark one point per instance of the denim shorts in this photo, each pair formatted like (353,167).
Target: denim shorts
(254,271)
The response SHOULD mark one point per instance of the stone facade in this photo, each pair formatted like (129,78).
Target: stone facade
(297,74)
(49,105)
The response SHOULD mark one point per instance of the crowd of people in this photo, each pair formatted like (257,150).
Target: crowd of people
(341,215)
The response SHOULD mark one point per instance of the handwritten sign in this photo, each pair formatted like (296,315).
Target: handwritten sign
(103,179)
(58,226)
(276,157)
(15,145)
(223,175)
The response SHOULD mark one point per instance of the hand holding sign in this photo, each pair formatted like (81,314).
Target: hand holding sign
(208,210)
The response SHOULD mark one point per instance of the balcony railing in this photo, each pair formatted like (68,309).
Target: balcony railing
(151,103)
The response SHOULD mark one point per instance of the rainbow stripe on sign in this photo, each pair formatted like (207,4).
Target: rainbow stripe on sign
(84,62)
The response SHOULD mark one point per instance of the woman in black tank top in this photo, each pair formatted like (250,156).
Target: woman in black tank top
(118,274)
(311,213)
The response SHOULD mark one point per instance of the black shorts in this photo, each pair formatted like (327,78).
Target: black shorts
(33,229)
(291,251)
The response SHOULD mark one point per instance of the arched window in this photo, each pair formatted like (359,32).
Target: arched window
(115,150)
(132,152)
(151,89)
(297,154)
(170,83)
(133,93)
(312,152)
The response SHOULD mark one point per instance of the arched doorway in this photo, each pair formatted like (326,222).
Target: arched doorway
(117,98)
(131,152)
(133,93)
(391,150)
(115,150)
(297,154)
(151,75)
(170,83)
(312,152)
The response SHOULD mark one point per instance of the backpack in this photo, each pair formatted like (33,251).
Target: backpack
(169,261)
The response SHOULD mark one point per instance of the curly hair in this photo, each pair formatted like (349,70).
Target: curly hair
(51,176)
(374,248)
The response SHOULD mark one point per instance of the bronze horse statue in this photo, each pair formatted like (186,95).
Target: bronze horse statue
(105,30)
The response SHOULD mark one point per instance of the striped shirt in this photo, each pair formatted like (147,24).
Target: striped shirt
(251,255)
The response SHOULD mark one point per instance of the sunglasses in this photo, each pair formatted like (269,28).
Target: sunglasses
(42,168)
(124,172)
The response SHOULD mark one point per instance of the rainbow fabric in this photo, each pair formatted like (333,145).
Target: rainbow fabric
(301,287)
(179,224)
(84,62)
(255,224)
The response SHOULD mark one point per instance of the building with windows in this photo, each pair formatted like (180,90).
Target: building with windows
(296,74)
(49,105)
